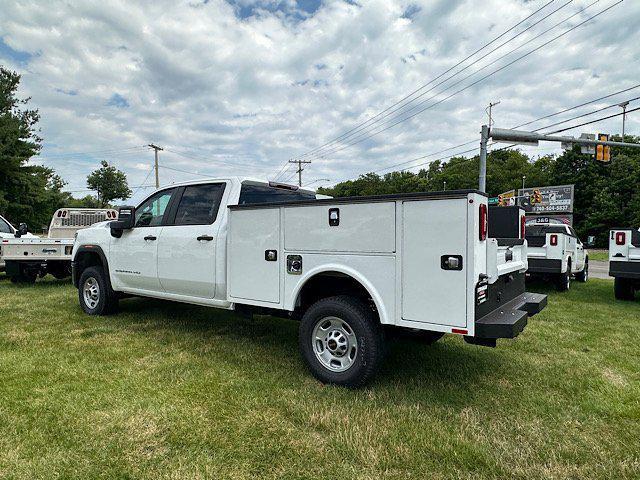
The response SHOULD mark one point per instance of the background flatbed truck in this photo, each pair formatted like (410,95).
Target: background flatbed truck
(624,261)
(348,268)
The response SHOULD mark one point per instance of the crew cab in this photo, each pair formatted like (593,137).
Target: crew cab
(349,269)
(624,261)
(28,256)
(555,251)
(6,231)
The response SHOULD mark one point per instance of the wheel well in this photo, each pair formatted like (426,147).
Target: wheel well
(85,260)
(330,284)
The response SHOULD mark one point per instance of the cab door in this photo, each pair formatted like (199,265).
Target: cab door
(133,258)
(188,243)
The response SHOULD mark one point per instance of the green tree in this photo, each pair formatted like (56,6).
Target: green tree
(28,193)
(109,184)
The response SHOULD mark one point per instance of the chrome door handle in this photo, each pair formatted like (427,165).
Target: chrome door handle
(150,237)
(206,238)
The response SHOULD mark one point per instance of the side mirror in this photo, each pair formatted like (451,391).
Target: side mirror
(126,221)
(22,230)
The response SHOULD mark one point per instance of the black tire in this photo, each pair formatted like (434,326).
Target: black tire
(25,276)
(624,289)
(583,276)
(106,300)
(363,326)
(563,280)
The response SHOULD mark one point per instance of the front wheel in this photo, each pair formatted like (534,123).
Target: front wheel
(95,293)
(624,289)
(583,276)
(341,341)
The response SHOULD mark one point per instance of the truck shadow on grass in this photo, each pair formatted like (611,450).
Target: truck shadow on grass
(447,366)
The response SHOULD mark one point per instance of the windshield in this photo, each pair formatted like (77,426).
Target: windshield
(539,230)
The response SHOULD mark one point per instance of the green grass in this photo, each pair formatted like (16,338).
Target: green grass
(599,255)
(165,390)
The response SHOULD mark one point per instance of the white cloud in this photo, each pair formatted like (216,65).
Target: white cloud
(241,88)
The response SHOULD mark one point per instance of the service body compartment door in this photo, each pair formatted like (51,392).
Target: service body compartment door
(253,273)
(433,292)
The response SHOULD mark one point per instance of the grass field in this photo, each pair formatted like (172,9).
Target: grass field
(599,255)
(165,390)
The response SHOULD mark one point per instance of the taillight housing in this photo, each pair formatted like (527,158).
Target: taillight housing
(553,240)
(621,238)
(483,222)
(523,226)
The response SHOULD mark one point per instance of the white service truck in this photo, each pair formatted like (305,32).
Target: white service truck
(27,256)
(624,261)
(555,251)
(347,268)
(6,231)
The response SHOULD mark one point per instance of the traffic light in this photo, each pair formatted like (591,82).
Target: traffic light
(603,152)
(536,197)
(500,200)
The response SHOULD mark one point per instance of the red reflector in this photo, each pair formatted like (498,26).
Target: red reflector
(523,227)
(621,238)
(554,240)
(483,221)
(461,331)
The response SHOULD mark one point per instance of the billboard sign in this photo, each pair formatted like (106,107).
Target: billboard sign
(556,199)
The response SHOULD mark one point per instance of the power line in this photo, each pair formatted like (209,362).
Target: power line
(94,152)
(366,135)
(357,127)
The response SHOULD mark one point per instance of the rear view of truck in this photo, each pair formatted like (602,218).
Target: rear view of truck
(351,268)
(624,261)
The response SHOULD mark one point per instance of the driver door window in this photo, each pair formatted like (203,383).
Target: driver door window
(151,212)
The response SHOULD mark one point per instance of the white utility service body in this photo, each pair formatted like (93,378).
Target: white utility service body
(624,261)
(420,261)
(555,250)
(7,231)
(27,256)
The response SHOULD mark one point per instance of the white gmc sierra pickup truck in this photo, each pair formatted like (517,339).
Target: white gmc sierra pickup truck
(7,231)
(624,261)
(347,268)
(554,250)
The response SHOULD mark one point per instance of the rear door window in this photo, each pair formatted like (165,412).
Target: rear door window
(199,204)
(4,226)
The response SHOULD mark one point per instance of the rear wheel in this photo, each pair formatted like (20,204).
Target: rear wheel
(22,274)
(341,341)
(624,289)
(563,280)
(95,293)
(583,276)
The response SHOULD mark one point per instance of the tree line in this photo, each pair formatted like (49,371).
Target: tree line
(32,193)
(606,194)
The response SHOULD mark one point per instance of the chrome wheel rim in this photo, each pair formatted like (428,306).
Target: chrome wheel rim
(334,344)
(91,292)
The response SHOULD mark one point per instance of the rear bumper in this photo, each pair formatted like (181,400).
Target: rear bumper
(624,269)
(544,265)
(508,320)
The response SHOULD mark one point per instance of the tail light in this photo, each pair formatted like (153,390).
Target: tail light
(523,226)
(554,240)
(483,222)
(621,238)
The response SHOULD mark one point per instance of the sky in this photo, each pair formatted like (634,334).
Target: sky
(239,87)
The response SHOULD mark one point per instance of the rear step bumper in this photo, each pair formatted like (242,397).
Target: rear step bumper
(508,320)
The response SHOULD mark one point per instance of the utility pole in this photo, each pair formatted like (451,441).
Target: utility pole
(156,148)
(482,177)
(489,108)
(300,169)
(624,115)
